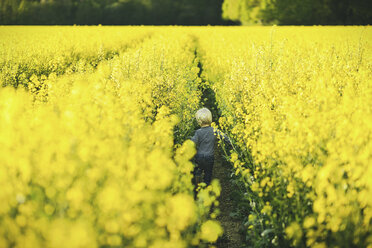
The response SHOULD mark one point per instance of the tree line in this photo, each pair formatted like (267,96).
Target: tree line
(186,12)
(112,12)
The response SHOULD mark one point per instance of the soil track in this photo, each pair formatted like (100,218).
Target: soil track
(231,237)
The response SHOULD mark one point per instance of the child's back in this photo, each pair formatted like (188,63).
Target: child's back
(204,139)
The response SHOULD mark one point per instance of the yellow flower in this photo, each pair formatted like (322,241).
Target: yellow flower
(211,230)
(180,212)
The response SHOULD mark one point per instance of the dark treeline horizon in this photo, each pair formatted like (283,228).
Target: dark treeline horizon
(185,12)
(112,12)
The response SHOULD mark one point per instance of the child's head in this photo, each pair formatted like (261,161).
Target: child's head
(203,117)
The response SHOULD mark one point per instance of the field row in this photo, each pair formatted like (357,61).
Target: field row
(297,103)
(88,156)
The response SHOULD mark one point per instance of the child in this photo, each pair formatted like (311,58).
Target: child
(205,139)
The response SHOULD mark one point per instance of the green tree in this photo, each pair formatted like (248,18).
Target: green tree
(9,10)
(298,12)
(244,11)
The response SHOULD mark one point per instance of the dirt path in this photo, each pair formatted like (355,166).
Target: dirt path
(231,238)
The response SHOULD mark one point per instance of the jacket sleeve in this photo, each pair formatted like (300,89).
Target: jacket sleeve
(195,138)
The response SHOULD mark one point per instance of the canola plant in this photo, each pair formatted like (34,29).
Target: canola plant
(93,123)
(88,156)
(297,103)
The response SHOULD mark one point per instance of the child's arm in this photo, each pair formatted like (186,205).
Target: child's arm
(195,138)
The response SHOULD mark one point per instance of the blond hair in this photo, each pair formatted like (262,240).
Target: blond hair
(203,116)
